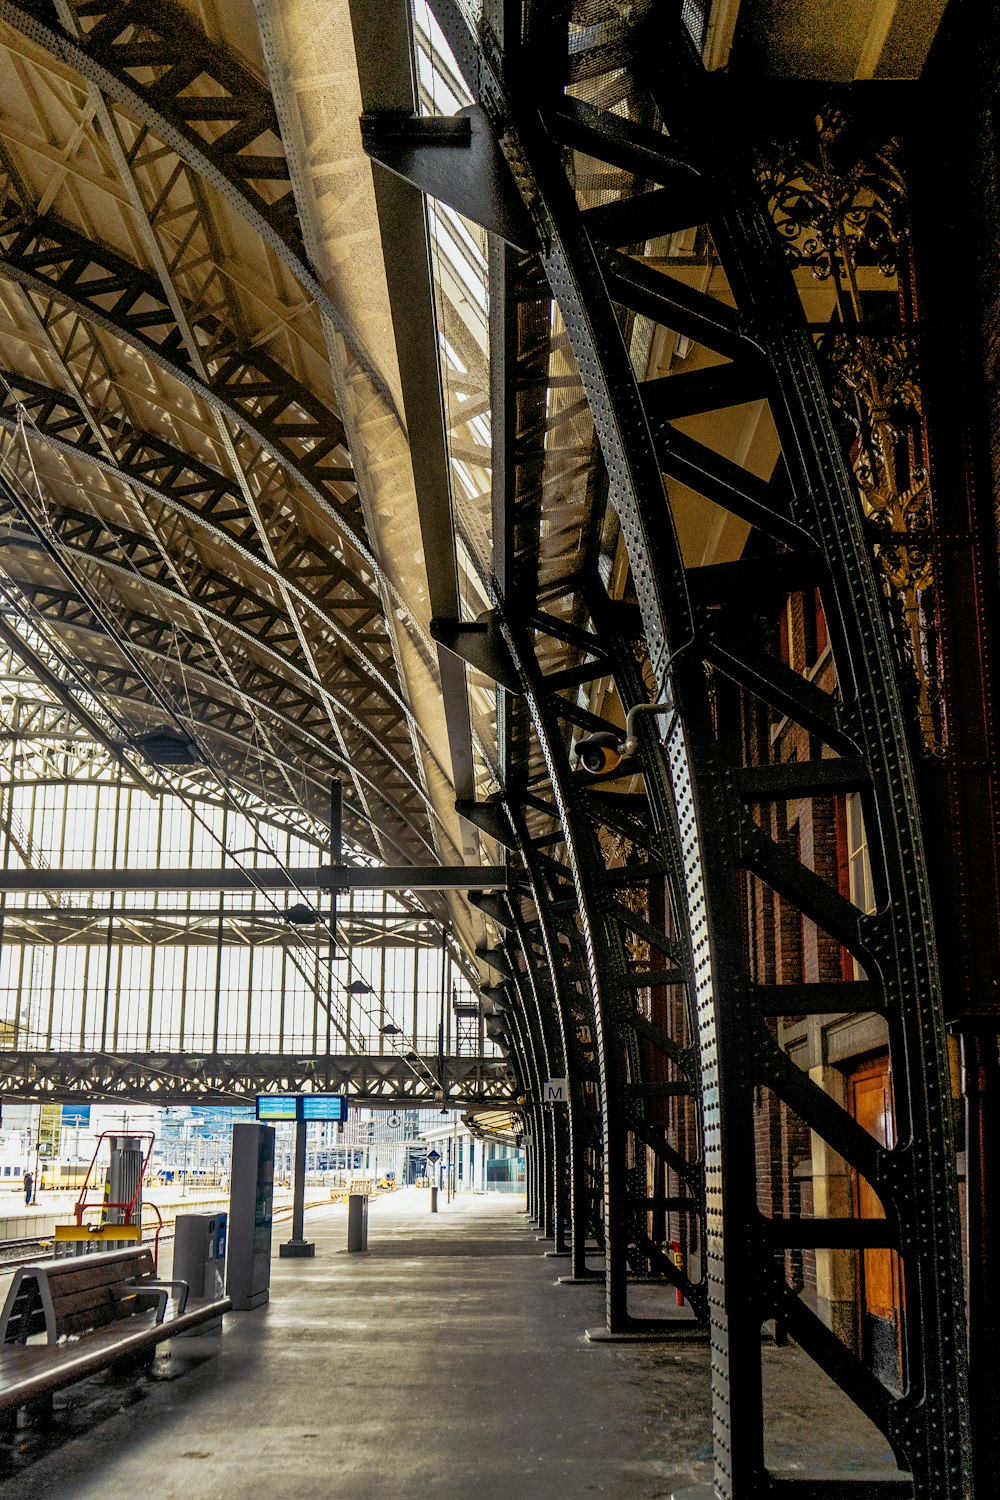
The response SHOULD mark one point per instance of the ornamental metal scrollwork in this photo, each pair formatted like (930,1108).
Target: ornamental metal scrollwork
(833,209)
(840,209)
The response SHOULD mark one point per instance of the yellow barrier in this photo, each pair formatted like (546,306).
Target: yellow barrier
(98,1232)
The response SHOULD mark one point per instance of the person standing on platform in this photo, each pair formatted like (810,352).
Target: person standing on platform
(29,1188)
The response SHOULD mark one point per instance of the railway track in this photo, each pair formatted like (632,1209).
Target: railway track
(21,1252)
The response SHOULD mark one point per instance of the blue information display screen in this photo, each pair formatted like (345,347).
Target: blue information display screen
(277,1107)
(324,1106)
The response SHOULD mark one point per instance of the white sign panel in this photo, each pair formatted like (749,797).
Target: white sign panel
(555,1091)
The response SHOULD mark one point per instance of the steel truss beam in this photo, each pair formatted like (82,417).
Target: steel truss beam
(154,65)
(595,1032)
(321,580)
(161,927)
(126,560)
(249,387)
(519,75)
(263,878)
(205,704)
(638,1066)
(288,422)
(146,56)
(563,1000)
(616,905)
(225,1078)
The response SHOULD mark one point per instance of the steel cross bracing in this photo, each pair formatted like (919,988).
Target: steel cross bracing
(566,1007)
(806,520)
(233,1078)
(520,348)
(123,558)
(146,57)
(330,586)
(655,1064)
(550,1138)
(159,926)
(615,906)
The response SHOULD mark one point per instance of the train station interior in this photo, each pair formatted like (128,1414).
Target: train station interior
(499,808)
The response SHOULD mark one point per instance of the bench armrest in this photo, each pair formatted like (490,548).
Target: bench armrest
(182,1294)
(159,1294)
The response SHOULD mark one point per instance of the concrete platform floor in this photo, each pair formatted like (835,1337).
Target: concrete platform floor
(443,1363)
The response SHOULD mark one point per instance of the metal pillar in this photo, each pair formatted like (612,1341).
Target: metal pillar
(982,1182)
(298,1245)
(809,528)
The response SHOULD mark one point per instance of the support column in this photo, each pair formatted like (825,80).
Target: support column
(298,1245)
(562,1170)
(982,1095)
(548,1204)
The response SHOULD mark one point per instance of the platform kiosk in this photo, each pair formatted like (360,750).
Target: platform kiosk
(251,1201)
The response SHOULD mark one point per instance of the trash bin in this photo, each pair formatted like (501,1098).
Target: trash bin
(200,1258)
(357,1221)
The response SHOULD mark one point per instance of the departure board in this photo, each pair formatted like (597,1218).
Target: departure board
(274,1108)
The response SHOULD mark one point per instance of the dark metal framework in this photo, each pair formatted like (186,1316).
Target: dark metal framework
(288,616)
(179,1077)
(147,57)
(624,963)
(678,165)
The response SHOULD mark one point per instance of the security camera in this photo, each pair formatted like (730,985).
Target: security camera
(597,752)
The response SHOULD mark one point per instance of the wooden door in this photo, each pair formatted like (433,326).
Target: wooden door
(880,1298)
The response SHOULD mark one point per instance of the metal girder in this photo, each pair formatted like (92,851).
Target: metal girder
(383,53)
(249,387)
(520,336)
(146,57)
(321,580)
(816,511)
(305,877)
(611,1054)
(227,1078)
(127,561)
(160,927)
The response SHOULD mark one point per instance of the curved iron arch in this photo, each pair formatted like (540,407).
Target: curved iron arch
(78,534)
(819,529)
(250,388)
(57,420)
(104,54)
(120,683)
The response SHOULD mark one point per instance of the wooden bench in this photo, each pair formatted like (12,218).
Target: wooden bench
(66,1319)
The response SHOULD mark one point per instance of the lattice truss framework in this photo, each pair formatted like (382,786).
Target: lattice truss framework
(638,309)
(172,403)
(640,959)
